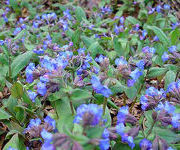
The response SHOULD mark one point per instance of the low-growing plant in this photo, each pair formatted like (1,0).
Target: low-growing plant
(99,77)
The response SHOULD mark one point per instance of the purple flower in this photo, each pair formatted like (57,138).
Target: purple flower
(67,14)
(166,7)
(158,8)
(106,10)
(120,128)
(47,63)
(176,120)
(32,95)
(29,72)
(166,106)
(151,10)
(105,134)
(1,42)
(41,88)
(144,33)
(172,49)
(120,61)
(128,139)
(130,82)
(10,148)
(121,20)
(145,144)
(33,123)
(88,114)
(38,51)
(118,29)
(99,88)
(136,74)
(100,58)
(50,121)
(165,56)
(47,136)
(140,64)
(144,102)
(104,144)
(17,30)
(122,113)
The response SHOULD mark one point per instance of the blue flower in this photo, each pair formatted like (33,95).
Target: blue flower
(145,144)
(81,51)
(120,61)
(121,116)
(41,88)
(33,123)
(130,82)
(144,102)
(89,114)
(106,10)
(47,63)
(118,29)
(170,148)
(128,139)
(10,148)
(67,14)
(176,120)
(166,106)
(120,128)
(50,121)
(158,8)
(32,95)
(29,72)
(100,58)
(99,88)
(38,51)
(1,42)
(166,6)
(165,56)
(136,74)
(17,30)
(46,135)
(121,20)
(104,144)
(172,49)
(44,79)
(140,64)
(152,91)
(105,134)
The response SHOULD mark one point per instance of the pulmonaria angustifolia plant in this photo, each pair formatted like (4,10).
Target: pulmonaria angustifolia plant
(89,75)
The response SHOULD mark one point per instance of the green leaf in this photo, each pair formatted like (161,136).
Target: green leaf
(17,90)
(16,142)
(169,77)
(20,62)
(4,114)
(131,92)
(79,94)
(65,117)
(95,49)
(156,71)
(76,36)
(14,5)
(100,30)
(117,46)
(160,34)
(80,14)
(175,34)
(133,20)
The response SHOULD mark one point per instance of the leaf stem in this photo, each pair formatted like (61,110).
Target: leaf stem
(72,108)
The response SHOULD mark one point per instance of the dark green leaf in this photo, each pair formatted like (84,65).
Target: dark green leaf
(156,71)
(169,77)
(80,14)
(20,62)
(17,90)
(4,114)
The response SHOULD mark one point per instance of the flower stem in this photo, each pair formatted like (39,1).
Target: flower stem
(104,106)
(150,130)
(72,108)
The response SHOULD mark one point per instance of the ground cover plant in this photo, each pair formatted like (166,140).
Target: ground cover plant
(89,75)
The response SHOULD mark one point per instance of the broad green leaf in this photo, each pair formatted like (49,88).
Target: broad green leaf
(4,114)
(16,142)
(131,92)
(65,117)
(95,49)
(80,14)
(160,34)
(100,30)
(156,71)
(76,36)
(117,46)
(20,62)
(133,20)
(175,34)
(80,94)
(17,90)
(169,77)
